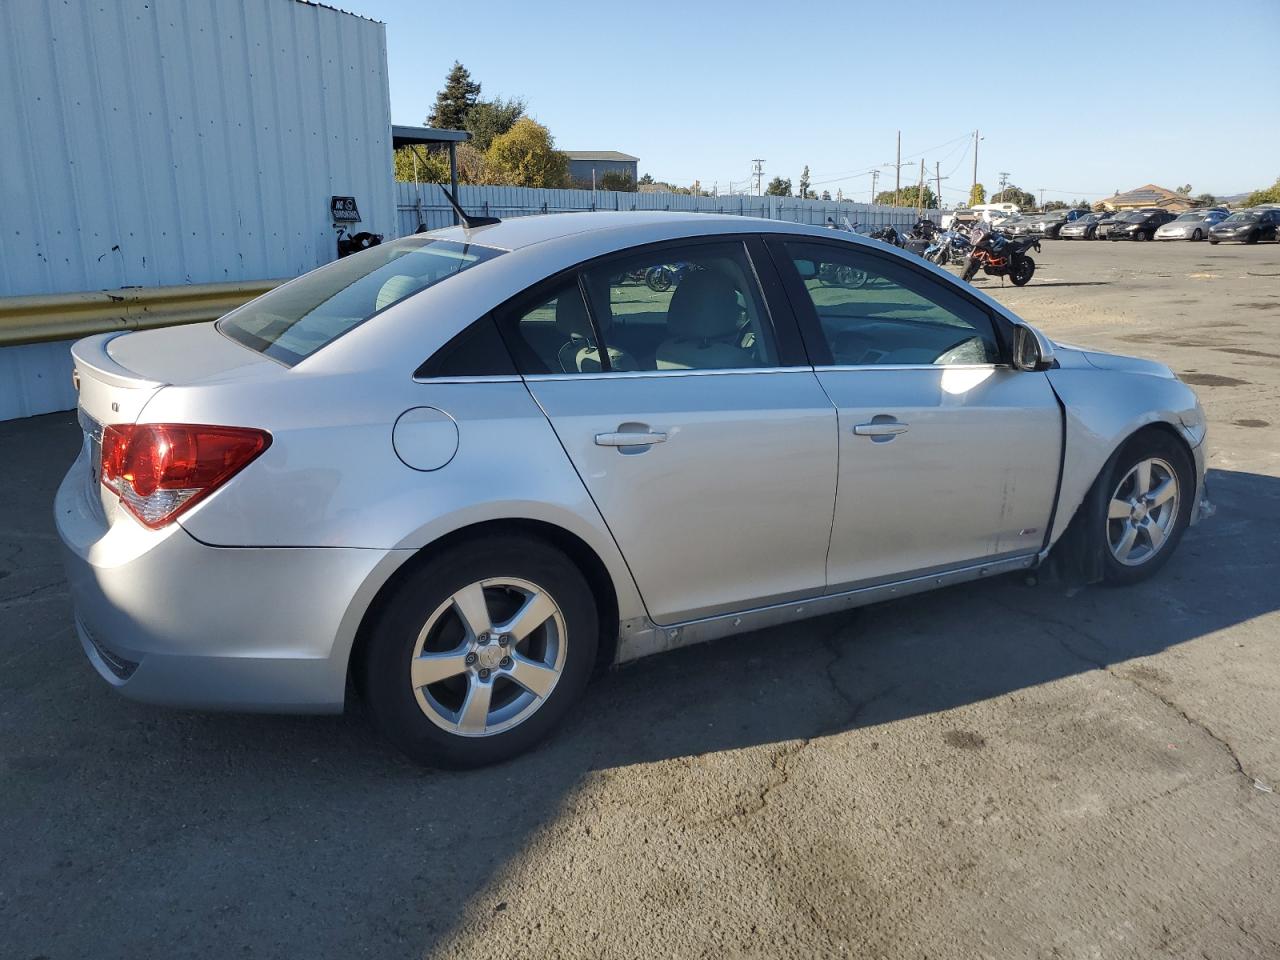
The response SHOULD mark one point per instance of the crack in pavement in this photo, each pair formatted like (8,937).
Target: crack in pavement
(21,598)
(1256,782)
(780,774)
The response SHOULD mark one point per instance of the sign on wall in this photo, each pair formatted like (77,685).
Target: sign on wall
(344,210)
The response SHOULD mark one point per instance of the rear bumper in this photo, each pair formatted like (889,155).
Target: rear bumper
(166,619)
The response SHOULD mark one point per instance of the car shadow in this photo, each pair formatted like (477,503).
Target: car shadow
(301,836)
(1051,283)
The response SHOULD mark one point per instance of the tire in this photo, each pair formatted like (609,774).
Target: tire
(1141,235)
(1252,238)
(1213,242)
(970,270)
(1023,271)
(1196,235)
(423,616)
(1167,457)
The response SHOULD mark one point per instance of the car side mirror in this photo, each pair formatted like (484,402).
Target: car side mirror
(1031,349)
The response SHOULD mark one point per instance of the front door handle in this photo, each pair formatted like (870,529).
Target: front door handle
(881,429)
(623,439)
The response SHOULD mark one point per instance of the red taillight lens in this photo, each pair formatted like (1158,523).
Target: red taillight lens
(161,469)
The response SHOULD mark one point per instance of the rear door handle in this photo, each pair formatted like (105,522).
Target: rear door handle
(882,429)
(629,439)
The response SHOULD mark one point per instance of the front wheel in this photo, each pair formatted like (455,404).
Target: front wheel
(1213,242)
(1152,489)
(1197,235)
(1252,238)
(1023,269)
(1141,235)
(479,652)
(970,269)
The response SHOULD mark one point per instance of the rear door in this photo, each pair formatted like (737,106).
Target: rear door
(948,456)
(697,427)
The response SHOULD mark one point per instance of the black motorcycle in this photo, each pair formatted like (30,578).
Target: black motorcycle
(1001,256)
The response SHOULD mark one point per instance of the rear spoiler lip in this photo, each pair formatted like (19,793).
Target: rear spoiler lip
(90,355)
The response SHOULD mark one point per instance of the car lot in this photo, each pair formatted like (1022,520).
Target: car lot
(997,770)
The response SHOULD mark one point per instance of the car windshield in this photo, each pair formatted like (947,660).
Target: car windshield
(294,321)
(1133,217)
(1192,216)
(1241,218)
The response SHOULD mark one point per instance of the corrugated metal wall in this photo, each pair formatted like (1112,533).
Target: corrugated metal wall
(150,142)
(424,203)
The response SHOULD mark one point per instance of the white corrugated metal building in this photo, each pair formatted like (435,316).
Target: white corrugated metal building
(158,142)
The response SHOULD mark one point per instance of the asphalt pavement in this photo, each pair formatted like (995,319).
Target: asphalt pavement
(998,770)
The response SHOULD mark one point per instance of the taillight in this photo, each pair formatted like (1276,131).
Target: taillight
(158,470)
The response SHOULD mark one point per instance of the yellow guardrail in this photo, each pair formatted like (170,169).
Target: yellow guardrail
(64,316)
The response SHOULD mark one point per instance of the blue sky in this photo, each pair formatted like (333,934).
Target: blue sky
(1084,99)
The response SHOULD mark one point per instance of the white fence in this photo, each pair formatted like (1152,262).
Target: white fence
(423,204)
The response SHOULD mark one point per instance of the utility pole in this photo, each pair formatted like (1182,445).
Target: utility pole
(920,189)
(897,187)
(757,171)
(1004,180)
(938,178)
(875,175)
(1042,198)
(976,138)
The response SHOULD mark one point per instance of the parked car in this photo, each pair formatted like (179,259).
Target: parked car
(1140,224)
(1247,226)
(1012,226)
(1108,222)
(457,472)
(1192,225)
(1048,225)
(1084,227)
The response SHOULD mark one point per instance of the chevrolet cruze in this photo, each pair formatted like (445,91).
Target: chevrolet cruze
(460,471)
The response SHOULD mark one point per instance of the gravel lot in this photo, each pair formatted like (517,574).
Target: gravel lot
(994,771)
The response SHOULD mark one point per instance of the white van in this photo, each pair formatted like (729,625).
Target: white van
(993,213)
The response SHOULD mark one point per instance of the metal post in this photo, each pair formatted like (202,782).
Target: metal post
(453,176)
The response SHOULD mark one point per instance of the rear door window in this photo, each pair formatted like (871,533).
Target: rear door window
(292,322)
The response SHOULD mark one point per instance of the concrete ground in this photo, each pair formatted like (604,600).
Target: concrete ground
(992,771)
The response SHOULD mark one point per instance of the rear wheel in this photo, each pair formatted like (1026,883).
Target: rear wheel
(1152,489)
(1023,269)
(480,652)
(1141,235)
(1252,238)
(1197,235)
(1213,242)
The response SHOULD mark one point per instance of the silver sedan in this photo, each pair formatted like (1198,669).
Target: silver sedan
(459,472)
(1192,225)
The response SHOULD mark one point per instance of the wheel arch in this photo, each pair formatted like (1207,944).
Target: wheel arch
(579,552)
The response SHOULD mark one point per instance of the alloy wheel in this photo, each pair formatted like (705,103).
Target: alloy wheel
(488,657)
(1143,511)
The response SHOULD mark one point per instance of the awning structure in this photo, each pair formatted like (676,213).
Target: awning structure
(433,136)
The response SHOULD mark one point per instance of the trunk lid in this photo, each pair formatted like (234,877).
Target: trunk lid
(118,373)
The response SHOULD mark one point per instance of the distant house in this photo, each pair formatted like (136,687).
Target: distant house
(586,165)
(1147,196)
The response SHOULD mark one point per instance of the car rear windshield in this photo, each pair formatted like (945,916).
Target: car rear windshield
(1241,218)
(292,322)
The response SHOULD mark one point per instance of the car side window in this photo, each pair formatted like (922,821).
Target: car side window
(871,310)
(552,332)
(693,307)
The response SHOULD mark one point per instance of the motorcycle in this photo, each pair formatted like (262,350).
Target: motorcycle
(887,234)
(999,256)
(949,246)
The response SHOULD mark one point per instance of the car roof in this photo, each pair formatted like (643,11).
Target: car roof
(521,232)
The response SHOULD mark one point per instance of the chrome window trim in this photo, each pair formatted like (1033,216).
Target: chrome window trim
(643,374)
(478,378)
(912,366)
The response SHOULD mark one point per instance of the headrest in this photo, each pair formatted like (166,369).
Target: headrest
(395,288)
(704,306)
(571,315)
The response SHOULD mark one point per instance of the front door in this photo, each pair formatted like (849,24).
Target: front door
(948,456)
(712,462)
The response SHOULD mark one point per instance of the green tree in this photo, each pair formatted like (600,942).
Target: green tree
(977,195)
(1206,200)
(1012,194)
(907,197)
(617,180)
(826,194)
(526,156)
(1055,205)
(647,179)
(1185,190)
(778,187)
(455,101)
(419,163)
(491,118)
(1269,195)
(805,193)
